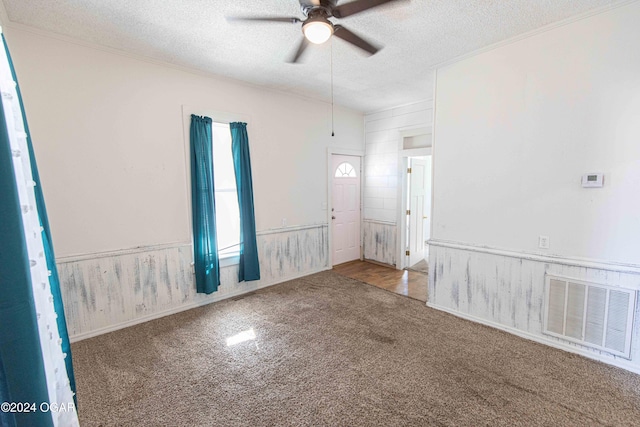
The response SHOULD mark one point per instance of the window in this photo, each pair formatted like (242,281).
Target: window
(227,211)
(345,170)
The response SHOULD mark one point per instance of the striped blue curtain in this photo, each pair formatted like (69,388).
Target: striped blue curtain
(249,265)
(203,206)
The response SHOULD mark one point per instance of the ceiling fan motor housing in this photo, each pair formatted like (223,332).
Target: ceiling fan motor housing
(325,5)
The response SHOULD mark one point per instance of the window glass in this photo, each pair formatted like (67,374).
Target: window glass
(227,212)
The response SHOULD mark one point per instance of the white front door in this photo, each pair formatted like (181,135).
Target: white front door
(345,208)
(416,210)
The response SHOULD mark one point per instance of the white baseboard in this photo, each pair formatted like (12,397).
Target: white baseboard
(189,306)
(542,340)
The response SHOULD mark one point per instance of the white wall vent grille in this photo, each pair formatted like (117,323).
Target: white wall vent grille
(590,314)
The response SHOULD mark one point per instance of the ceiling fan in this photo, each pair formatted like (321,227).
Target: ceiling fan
(317,28)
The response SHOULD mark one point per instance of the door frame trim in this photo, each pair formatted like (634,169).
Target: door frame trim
(341,152)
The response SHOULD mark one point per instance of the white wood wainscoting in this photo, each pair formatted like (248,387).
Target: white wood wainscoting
(505,289)
(379,240)
(109,291)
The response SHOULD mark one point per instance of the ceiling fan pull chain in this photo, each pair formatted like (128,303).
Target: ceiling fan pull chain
(331,61)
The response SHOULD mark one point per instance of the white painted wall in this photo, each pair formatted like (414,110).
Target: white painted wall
(383,143)
(383,139)
(108,135)
(517,127)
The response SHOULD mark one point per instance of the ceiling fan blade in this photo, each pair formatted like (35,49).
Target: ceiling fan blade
(303,45)
(348,36)
(292,20)
(357,6)
(309,2)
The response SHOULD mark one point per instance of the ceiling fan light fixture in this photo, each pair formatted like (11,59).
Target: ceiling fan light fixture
(317,31)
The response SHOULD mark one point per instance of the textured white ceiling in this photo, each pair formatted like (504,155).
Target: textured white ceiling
(416,35)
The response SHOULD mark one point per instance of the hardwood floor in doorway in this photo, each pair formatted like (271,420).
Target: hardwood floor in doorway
(412,284)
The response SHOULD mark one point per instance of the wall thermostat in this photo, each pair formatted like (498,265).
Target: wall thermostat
(592,180)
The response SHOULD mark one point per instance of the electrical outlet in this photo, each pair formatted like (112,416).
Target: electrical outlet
(543,242)
(284,222)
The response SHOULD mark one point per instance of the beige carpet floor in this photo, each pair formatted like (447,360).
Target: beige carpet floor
(332,351)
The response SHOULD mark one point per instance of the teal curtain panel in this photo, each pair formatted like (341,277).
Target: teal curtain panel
(54,280)
(7,419)
(249,265)
(203,206)
(20,350)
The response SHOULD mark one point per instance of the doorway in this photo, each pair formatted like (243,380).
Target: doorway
(345,208)
(417,210)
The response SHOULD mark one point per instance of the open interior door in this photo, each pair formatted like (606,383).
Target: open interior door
(416,211)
